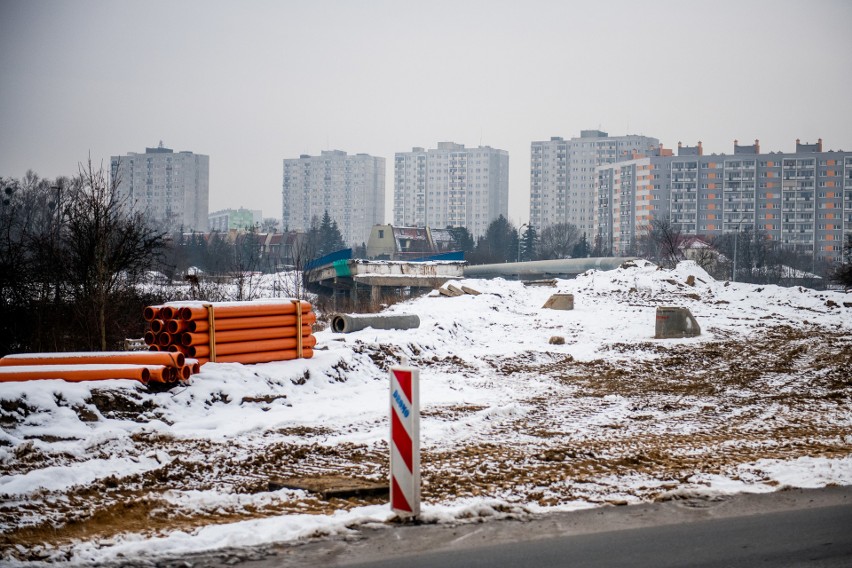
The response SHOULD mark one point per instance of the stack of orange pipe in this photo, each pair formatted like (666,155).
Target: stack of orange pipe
(233,332)
(143,366)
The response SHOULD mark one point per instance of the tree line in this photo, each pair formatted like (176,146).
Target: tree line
(71,254)
(503,242)
(748,255)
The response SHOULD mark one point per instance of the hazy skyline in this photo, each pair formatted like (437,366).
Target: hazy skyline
(252,83)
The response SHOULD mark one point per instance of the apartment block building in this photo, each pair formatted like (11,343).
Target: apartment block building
(227,219)
(451,186)
(171,188)
(801,199)
(350,187)
(562,175)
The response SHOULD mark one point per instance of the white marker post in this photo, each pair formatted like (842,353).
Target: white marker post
(405,441)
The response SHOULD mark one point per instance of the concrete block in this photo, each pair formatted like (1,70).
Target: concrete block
(673,321)
(560,302)
(455,289)
(470,291)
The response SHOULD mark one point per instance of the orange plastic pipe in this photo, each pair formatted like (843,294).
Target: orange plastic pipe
(243,335)
(150,338)
(160,373)
(168,312)
(265,345)
(151,312)
(228,324)
(153,348)
(174,348)
(75,373)
(242,309)
(264,356)
(158,325)
(203,351)
(198,351)
(164,338)
(96,358)
(179,326)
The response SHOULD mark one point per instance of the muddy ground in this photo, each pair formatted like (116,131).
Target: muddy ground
(693,410)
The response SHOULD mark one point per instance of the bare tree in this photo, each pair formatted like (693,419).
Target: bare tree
(246,267)
(302,248)
(558,241)
(107,245)
(843,271)
(662,243)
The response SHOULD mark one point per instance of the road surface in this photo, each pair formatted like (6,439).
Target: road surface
(789,528)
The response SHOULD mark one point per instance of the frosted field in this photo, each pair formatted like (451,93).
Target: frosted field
(511,424)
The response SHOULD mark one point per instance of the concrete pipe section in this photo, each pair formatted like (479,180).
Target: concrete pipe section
(345,323)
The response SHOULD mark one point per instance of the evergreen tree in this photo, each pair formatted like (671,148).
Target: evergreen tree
(329,238)
(499,244)
(463,239)
(529,245)
(582,248)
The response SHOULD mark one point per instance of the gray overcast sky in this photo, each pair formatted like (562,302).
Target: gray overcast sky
(250,83)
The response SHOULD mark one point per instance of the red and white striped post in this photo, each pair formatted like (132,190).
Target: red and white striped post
(405,441)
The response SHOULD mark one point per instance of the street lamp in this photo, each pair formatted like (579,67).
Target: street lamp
(736,237)
(520,238)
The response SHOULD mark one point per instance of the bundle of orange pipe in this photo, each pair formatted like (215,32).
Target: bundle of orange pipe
(233,332)
(143,366)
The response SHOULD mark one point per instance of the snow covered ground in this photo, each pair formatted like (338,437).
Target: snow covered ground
(512,424)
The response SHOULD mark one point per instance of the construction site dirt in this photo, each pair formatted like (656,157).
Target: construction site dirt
(700,384)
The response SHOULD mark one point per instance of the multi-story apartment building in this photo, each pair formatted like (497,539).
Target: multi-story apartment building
(451,186)
(228,219)
(801,199)
(350,187)
(562,175)
(172,188)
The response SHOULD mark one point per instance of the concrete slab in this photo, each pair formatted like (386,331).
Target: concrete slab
(328,486)
(560,302)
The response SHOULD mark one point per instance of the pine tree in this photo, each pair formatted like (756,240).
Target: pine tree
(581,249)
(529,245)
(330,239)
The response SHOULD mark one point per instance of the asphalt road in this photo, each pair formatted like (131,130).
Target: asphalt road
(811,537)
(788,528)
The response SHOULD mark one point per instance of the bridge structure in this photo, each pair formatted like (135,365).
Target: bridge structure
(360,280)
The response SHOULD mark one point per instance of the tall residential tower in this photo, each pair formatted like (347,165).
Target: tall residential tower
(451,186)
(350,188)
(171,188)
(801,199)
(562,175)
